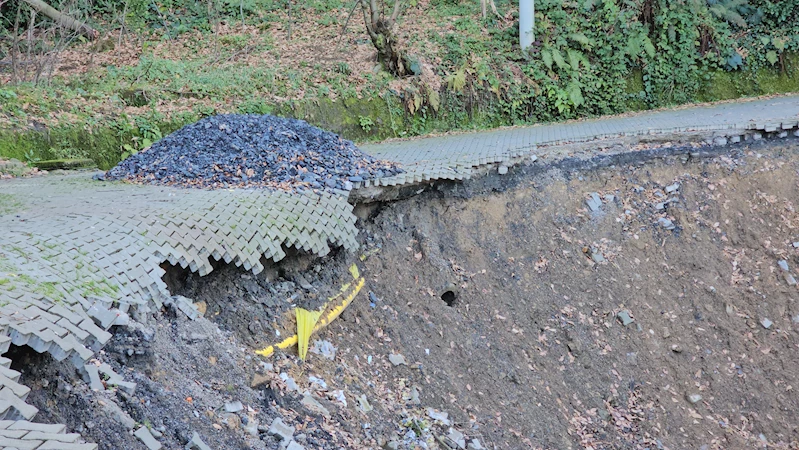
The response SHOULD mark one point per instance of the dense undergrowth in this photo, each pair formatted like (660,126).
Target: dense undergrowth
(162,64)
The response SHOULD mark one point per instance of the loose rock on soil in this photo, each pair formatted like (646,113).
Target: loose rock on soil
(234,150)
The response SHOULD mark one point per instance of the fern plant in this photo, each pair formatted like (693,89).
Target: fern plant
(726,10)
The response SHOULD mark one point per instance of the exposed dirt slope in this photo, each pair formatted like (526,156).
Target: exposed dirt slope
(532,352)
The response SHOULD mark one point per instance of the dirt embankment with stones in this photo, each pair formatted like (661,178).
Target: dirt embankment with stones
(644,305)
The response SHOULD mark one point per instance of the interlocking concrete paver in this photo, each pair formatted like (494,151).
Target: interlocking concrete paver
(57,445)
(38,427)
(19,444)
(457,152)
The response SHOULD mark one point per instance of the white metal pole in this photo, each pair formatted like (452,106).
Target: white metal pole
(526,23)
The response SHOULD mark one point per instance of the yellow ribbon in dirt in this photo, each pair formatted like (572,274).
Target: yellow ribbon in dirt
(309,322)
(306,320)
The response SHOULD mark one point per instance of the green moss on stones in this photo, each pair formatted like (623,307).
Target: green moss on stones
(9,204)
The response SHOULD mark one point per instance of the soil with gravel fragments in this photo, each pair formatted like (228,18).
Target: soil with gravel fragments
(250,150)
(678,337)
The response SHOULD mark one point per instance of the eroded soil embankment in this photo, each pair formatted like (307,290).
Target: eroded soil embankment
(532,352)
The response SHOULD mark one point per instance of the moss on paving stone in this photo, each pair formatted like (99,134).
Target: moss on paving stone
(369,119)
(45,288)
(97,289)
(9,204)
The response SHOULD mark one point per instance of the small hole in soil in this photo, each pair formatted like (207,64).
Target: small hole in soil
(25,359)
(448,297)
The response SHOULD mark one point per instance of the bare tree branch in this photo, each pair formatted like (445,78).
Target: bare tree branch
(483,4)
(367,22)
(395,14)
(375,13)
(15,47)
(344,28)
(62,19)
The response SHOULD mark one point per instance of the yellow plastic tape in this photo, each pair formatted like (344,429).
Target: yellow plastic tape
(354,271)
(306,320)
(371,252)
(323,321)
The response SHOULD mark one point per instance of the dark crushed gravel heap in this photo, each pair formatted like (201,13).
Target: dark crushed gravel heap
(235,150)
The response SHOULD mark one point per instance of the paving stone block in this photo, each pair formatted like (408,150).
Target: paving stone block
(56,445)
(93,375)
(79,349)
(282,430)
(34,312)
(11,374)
(5,343)
(143,434)
(14,434)
(58,437)
(19,390)
(106,369)
(127,386)
(100,335)
(20,335)
(41,340)
(102,315)
(19,444)
(12,407)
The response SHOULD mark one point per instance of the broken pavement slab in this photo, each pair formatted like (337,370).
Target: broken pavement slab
(397,359)
(144,435)
(94,377)
(693,398)
(455,439)
(594,202)
(234,407)
(439,416)
(624,317)
(282,430)
(196,443)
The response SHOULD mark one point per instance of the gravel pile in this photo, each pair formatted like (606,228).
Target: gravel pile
(234,150)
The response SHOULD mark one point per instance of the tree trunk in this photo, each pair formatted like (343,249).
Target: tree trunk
(387,52)
(63,19)
(484,3)
(381,31)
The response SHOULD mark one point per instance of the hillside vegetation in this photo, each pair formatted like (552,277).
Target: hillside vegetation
(156,65)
